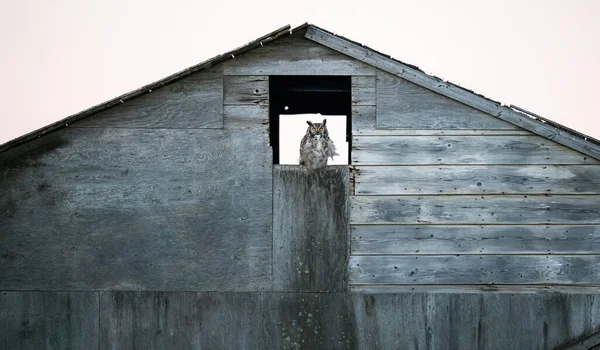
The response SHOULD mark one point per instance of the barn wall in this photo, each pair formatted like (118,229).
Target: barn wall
(162,223)
(447,195)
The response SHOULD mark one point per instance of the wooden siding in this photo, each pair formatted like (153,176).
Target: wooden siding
(404,105)
(445,194)
(294,55)
(149,209)
(310,229)
(356,320)
(194,102)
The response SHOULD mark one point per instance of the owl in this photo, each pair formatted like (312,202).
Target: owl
(316,146)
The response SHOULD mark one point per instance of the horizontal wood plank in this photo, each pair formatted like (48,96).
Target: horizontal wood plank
(194,102)
(477,179)
(398,150)
(455,239)
(125,209)
(363,91)
(414,75)
(364,124)
(472,269)
(402,104)
(295,55)
(475,210)
(245,117)
(246,90)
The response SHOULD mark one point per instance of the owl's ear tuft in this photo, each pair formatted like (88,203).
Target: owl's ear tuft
(309,123)
(324,121)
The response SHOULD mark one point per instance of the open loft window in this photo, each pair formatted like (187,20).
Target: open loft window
(295,99)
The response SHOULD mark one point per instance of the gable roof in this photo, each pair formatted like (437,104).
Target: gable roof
(512,114)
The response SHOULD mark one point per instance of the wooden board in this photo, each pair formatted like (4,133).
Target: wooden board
(456,239)
(402,104)
(363,91)
(40,320)
(482,210)
(391,321)
(475,269)
(480,179)
(246,117)
(246,90)
(295,55)
(401,150)
(416,76)
(122,209)
(190,103)
(364,124)
(310,229)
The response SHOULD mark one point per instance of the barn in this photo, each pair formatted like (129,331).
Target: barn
(163,219)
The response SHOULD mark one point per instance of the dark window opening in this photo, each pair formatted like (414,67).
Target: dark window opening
(291,95)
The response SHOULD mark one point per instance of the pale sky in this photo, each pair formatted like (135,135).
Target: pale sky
(60,57)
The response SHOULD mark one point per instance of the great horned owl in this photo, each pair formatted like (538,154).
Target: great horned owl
(316,146)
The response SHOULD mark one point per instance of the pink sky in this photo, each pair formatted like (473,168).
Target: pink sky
(60,57)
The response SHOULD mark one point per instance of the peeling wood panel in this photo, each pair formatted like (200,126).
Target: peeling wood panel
(363,91)
(310,229)
(484,179)
(40,320)
(455,239)
(364,124)
(399,150)
(402,104)
(246,117)
(412,210)
(295,55)
(122,209)
(475,269)
(195,102)
(385,63)
(246,90)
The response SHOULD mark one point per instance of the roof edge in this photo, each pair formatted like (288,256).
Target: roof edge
(514,115)
(276,34)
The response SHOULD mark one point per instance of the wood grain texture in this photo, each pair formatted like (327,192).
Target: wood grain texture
(402,104)
(246,117)
(190,103)
(122,209)
(589,341)
(400,150)
(483,179)
(364,124)
(310,229)
(475,269)
(391,321)
(246,90)
(39,320)
(416,76)
(294,55)
(578,210)
(455,239)
(364,91)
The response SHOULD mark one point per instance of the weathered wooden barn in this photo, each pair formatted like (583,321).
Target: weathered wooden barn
(162,219)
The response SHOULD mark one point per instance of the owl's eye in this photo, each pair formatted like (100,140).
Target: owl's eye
(313,128)
(320,129)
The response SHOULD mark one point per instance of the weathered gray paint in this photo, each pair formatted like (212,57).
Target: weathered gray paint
(474,239)
(246,90)
(499,149)
(475,269)
(129,209)
(404,105)
(294,55)
(477,210)
(310,229)
(364,91)
(190,103)
(480,179)
(42,320)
